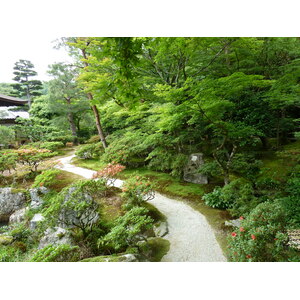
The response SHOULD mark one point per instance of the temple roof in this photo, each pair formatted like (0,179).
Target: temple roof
(11,101)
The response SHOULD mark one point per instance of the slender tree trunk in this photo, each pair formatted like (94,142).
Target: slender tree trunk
(73,127)
(28,97)
(226,177)
(99,127)
(71,121)
(94,107)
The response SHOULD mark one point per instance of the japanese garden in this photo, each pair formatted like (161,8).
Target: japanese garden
(153,149)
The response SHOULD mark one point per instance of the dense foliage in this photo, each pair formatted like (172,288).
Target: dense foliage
(148,103)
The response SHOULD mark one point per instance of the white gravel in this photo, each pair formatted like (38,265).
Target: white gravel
(191,237)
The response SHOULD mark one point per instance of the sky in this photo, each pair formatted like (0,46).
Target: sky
(38,49)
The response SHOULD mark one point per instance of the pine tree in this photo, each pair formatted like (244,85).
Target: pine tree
(24,70)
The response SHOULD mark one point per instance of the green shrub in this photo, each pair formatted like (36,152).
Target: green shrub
(291,203)
(61,253)
(32,157)
(238,196)
(10,254)
(7,135)
(215,199)
(127,230)
(137,190)
(94,139)
(46,178)
(76,205)
(262,236)
(90,151)
(241,194)
(8,160)
(52,146)
(20,232)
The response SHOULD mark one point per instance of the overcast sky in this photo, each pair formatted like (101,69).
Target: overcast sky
(38,49)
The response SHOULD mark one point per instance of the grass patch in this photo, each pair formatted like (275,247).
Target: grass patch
(93,164)
(64,179)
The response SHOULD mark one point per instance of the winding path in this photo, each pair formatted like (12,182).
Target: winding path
(191,237)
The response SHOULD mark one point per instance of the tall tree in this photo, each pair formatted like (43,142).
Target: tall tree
(64,94)
(27,87)
(80,49)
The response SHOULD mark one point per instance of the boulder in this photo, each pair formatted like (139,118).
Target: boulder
(161,230)
(233,223)
(34,221)
(128,258)
(18,216)
(191,173)
(55,236)
(11,200)
(35,195)
(70,218)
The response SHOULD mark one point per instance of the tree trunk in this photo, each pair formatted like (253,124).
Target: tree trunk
(71,121)
(73,127)
(28,97)
(226,177)
(94,107)
(99,127)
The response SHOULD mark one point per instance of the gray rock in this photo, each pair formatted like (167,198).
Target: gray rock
(35,195)
(70,218)
(10,201)
(233,223)
(191,173)
(35,220)
(55,236)
(18,216)
(128,258)
(161,230)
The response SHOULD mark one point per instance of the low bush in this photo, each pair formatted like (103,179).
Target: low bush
(46,178)
(32,157)
(52,146)
(291,203)
(238,196)
(90,151)
(137,190)
(61,253)
(8,160)
(93,139)
(262,236)
(215,199)
(76,205)
(127,230)
(108,173)
(10,254)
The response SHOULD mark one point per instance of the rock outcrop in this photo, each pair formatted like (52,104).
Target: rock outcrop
(11,200)
(69,217)
(18,216)
(191,171)
(35,220)
(35,195)
(161,230)
(55,236)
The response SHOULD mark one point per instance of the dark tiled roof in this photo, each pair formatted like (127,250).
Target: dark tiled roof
(11,100)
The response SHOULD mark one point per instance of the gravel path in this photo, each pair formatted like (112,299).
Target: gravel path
(191,237)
